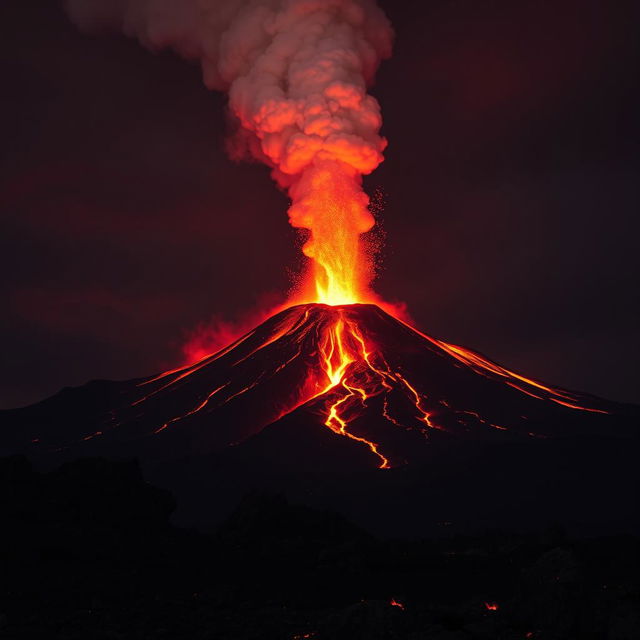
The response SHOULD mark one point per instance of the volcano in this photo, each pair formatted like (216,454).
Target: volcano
(329,390)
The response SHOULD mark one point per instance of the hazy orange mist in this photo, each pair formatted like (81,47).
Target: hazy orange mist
(219,331)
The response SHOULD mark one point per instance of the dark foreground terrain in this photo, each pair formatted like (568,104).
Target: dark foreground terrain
(88,551)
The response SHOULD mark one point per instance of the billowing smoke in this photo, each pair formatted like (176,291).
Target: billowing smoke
(297,73)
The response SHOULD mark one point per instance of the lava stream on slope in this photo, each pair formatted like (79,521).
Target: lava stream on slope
(355,369)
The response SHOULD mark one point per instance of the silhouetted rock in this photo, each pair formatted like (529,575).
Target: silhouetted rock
(89,551)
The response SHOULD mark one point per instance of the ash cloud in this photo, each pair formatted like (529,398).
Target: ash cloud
(296,71)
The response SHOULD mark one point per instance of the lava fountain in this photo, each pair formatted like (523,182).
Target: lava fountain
(331,204)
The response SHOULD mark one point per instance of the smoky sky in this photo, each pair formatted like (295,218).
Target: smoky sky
(510,191)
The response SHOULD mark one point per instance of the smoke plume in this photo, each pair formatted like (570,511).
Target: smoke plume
(296,73)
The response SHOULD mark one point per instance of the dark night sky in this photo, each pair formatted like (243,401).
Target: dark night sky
(511,189)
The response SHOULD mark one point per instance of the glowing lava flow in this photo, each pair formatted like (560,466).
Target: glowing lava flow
(354,371)
(487,368)
(351,378)
(337,356)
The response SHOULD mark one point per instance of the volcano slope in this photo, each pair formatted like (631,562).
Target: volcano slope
(351,408)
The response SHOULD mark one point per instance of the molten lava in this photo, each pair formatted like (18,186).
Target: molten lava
(330,203)
(342,346)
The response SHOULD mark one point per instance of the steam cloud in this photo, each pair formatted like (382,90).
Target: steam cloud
(297,73)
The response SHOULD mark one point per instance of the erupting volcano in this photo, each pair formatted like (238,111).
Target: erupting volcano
(326,471)
(353,408)
(333,378)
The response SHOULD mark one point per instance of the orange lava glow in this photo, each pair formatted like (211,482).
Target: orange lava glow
(490,369)
(491,606)
(394,603)
(341,348)
(329,202)
(351,373)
